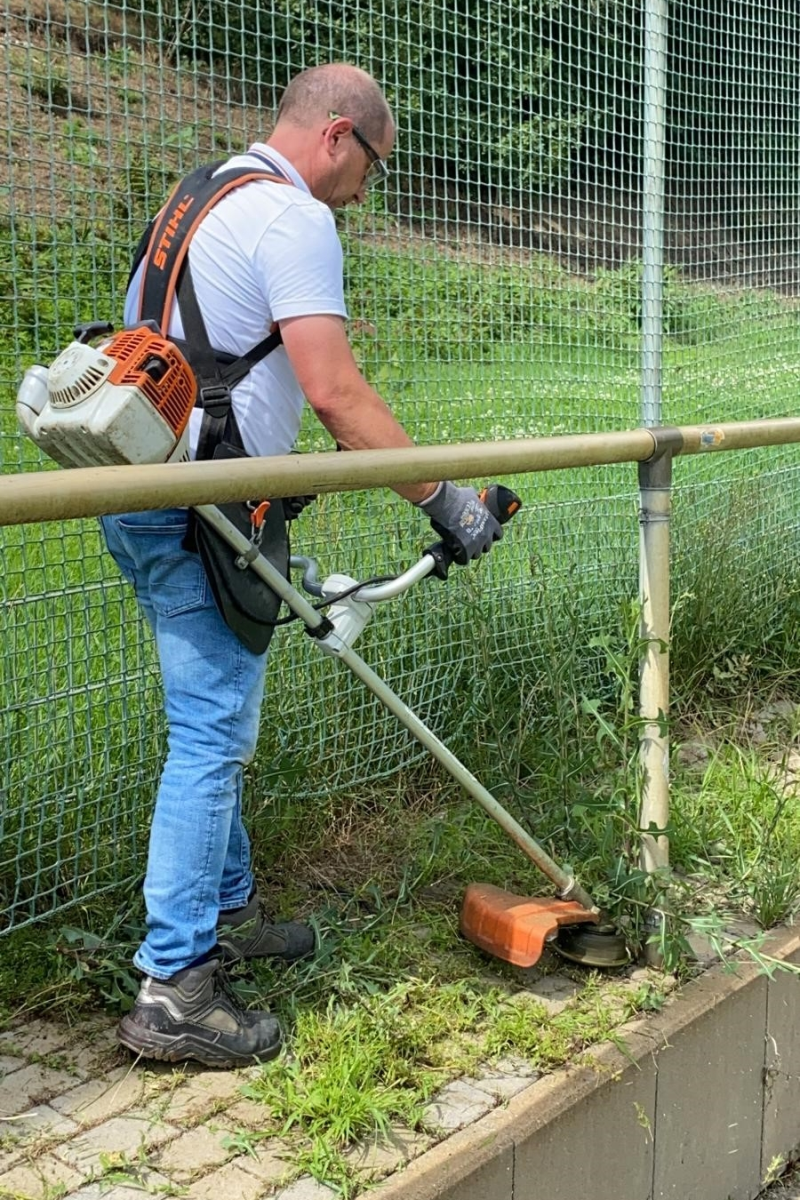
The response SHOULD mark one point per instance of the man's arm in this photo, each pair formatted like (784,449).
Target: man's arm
(352,412)
(358,419)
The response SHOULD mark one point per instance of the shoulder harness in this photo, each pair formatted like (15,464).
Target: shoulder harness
(164,249)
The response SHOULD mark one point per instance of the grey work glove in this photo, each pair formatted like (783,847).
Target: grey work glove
(460,517)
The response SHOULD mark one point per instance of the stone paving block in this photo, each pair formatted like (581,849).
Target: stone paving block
(99,1099)
(125,1135)
(710,1097)
(92,1058)
(305,1188)
(78,1060)
(554,992)
(12,1154)
(226,1183)
(200,1094)
(250,1114)
(145,1184)
(500,1085)
(99,1033)
(515,1066)
(38,1178)
(32,1085)
(271,1163)
(456,1105)
(9,1063)
(193,1152)
(36,1037)
(704,951)
(781,1132)
(42,1122)
(743,928)
(381,1156)
(641,976)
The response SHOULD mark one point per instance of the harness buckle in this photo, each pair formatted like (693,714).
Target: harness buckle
(215,399)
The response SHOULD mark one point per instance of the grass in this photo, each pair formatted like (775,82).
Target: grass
(382,877)
(741,827)
(358,1069)
(396,1004)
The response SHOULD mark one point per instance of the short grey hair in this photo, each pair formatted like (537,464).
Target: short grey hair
(340,88)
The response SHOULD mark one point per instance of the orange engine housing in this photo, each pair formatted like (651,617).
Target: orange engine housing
(147,361)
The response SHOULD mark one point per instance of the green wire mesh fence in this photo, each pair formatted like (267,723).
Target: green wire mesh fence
(495,290)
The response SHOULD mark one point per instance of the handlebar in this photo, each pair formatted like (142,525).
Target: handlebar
(437,559)
(370,592)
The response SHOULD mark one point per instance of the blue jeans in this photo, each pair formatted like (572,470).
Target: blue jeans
(199,856)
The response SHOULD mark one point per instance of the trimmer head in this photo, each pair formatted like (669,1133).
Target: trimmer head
(593,946)
(516,928)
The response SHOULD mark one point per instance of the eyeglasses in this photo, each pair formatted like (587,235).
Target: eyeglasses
(377,171)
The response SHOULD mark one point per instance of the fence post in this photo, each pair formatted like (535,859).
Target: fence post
(655,483)
(655,476)
(654,109)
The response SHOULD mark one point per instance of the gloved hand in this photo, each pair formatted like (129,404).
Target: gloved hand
(458,515)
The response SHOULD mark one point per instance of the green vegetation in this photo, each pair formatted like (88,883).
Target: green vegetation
(396,1004)
(361,1067)
(544,94)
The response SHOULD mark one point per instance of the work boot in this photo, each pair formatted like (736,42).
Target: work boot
(248,933)
(195,1015)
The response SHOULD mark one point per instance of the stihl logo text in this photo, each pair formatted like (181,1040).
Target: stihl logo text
(160,256)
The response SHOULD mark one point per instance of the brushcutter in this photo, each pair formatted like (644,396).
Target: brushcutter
(510,927)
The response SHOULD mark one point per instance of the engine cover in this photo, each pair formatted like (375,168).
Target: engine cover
(128,401)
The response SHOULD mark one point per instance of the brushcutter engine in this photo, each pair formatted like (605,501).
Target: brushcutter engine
(127,400)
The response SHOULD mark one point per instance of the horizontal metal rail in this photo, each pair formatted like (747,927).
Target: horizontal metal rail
(92,491)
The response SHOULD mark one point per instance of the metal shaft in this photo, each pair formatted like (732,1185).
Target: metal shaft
(564,882)
(654,476)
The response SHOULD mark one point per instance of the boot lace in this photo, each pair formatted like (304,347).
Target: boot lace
(223,986)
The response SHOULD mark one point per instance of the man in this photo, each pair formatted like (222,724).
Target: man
(265,255)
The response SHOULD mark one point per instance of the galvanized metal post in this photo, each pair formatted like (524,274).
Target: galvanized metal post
(654,138)
(655,476)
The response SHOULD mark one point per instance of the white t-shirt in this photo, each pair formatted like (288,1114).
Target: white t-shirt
(265,252)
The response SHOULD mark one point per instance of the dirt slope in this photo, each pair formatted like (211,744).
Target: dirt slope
(99,116)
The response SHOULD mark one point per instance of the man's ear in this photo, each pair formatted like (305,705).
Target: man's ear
(337,129)
(330,139)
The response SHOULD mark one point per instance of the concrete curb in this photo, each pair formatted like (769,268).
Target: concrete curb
(694,1103)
